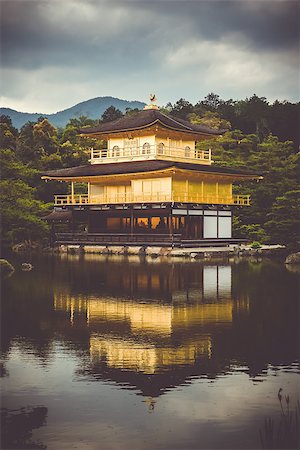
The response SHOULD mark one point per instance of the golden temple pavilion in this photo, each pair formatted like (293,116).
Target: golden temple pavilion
(150,186)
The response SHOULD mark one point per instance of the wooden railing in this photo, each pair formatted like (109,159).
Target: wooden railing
(241,200)
(78,199)
(85,199)
(118,154)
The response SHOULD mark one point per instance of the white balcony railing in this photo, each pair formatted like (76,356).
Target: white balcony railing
(84,199)
(118,154)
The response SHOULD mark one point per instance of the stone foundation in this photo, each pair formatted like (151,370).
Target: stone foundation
(193,253)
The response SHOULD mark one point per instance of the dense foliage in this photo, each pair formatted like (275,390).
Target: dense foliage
(260,136)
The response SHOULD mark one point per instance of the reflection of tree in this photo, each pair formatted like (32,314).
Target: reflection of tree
(17,426)
(3,370)
(24,314)
(267,334)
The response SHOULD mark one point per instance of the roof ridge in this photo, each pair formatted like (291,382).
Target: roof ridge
(174,120)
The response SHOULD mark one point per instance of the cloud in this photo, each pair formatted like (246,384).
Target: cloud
(187,48)
(235,67)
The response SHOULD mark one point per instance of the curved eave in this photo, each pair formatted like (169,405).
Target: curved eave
(184,130)
(158,172)
(224,175)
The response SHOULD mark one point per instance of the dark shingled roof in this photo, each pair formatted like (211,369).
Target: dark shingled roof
(146,118)
(58,216)
(140,166)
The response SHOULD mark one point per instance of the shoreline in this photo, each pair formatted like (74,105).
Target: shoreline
(192,253)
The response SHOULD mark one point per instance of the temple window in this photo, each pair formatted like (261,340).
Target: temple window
(161,147)
(131,146)
(146,148)
(115,150)
(187,151)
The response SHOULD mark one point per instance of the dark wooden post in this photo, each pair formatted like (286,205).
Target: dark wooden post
(171,229)
(131,222)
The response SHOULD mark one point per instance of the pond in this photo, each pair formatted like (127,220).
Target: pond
(104,352)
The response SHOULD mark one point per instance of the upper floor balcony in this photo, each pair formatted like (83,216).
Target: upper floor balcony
(86,199)
(147,151)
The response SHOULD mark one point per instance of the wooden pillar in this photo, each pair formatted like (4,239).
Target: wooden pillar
(186,195)
(170,224)
(89,191)
(171,229)
(187,223)
(72,192)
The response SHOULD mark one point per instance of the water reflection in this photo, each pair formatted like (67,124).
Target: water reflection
(150,317)
(147,328)
(170,321)
(152,335)
(17,426)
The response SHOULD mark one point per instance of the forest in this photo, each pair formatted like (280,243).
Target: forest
(260,136)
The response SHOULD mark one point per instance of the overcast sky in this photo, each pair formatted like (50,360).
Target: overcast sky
(56,53)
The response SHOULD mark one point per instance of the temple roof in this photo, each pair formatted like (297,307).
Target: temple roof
(142,167)
(147,118)
(58,216)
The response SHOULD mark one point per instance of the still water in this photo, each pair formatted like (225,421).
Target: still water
(122,353)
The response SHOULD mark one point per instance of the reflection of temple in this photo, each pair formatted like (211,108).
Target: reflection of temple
(203,317)
(147,358)
(135,334)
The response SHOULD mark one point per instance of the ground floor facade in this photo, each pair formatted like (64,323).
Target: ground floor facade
(161,224)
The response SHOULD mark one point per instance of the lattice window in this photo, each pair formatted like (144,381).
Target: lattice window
(131,146)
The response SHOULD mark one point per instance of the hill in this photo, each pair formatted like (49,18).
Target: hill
(93,108)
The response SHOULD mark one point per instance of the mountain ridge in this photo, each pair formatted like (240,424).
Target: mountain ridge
(92,108)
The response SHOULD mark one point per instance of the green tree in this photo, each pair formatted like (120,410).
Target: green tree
(283,220)
(20,213)
(8,133)
(25,144)
(131,111)
(284,118)
(13,168)
(182,109)
(212,102)
(45,137)
(253,115)
(111,114)
(75,150)
(71,132)
(211,120)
